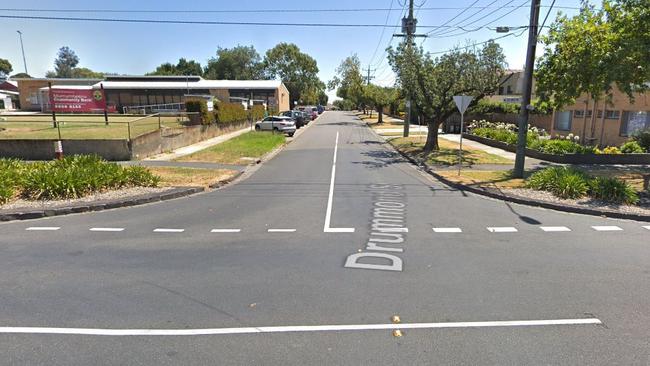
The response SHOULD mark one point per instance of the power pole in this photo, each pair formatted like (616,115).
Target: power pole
(368,78)
(528,88)
(23,49)
(408,30)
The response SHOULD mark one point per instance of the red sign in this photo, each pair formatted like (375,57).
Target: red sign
(78,100)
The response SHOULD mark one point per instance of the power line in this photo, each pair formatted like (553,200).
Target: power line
(207,22)
(479,43)
(382,58)
(432,32)
(545,18)
(381,36)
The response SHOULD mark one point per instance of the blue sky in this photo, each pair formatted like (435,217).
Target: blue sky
(138,48)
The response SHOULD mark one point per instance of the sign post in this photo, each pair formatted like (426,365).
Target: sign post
(462,102)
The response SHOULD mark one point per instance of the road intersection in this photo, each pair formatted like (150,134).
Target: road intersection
(307,260)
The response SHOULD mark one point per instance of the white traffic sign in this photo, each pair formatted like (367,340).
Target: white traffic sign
(462,102)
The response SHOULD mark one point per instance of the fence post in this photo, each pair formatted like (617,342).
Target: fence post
(159,123)
(128,124)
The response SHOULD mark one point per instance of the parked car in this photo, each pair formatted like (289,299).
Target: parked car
(307,116)
(277,123)
(314,112)
(320,109)
(297,116)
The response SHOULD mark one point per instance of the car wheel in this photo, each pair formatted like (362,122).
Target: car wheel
(290,134)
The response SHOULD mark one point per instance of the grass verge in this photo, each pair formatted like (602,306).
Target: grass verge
(448,153)
(491,179)
(239,150)
(181,177)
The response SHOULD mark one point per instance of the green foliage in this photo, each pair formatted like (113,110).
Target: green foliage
(343,104)
(5,67)
(12,173)
(297,70)
(200,106)
(348,82)
(612,190)
(632,147)
(485,106)
(237,63)
(65,62)
(560,147)
(509,137)
(643,139)
(563,182)
(183,67)
(231,112)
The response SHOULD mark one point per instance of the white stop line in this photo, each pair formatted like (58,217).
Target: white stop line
(288,329)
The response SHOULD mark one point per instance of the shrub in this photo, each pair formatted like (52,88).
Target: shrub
(643,139)
(563,182)
(200,106)
(561,147)
(610,150)
(485,106)
(632,147)
(230,112)
(612,190)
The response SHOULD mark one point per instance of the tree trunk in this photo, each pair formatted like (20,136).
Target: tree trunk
(432,138)
(380,119)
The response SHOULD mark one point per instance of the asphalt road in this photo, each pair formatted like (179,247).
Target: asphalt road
(250,274)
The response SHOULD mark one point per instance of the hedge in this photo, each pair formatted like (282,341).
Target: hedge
(200,106)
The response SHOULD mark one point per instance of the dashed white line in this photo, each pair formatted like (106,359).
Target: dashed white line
(107,229)
(505,229)
(296,328)
(163,230)
(225,230)
(447,230)
(554,228)
(607,228)
(43,228)
(281,230)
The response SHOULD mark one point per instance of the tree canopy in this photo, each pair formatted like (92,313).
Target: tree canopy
(182,67)
(65,66)
(237,63)
(5,67)
(348,80)
(379,97)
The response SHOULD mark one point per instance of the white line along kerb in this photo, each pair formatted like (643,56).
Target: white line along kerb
(297,328)
(328,212)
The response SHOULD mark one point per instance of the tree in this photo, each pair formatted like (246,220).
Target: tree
(348,81)
(5,68)
(379,98)
(322,98)
(86,73)
(183,67)
(432,83)
(20,75)
(65,62)
(297,70)
(237,63)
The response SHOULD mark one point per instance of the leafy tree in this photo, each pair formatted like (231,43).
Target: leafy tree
(297,70)
(86,73)
(183,67)
(379,98)
(322,98)
(237,63)
(5,67)
(343,104)
(348,81)
(65,62)
(432,83)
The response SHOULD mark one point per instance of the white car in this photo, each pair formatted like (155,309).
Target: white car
(277,123)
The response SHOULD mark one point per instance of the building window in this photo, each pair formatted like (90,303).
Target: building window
(633,122)
(563,121)
(578,113)
(509,89)
(589,113)
(599,113)
(612,114)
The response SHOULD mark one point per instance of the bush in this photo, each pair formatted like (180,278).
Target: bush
(612,190)
(643,139)
(200,106)
(230,112)
(632,147)
(563,182)
(485,106)
(609,150)
(561,147)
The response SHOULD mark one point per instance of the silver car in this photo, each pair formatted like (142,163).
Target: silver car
(277,123)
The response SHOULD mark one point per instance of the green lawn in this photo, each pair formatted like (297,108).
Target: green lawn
(448,153)
(251,145)
(81,127)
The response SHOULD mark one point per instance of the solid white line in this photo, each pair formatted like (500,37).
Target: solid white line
(554,228)
(109,229)
(225,230)
(447,230)
(298,328)
(328,212)
(506,229)
(163,230)
(281,230)
(43,228)
(607,228)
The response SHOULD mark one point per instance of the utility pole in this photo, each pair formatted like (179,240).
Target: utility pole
(408,30)
(23,49)
(368,78)
(528,88)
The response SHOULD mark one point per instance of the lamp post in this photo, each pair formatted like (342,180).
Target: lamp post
(20,34)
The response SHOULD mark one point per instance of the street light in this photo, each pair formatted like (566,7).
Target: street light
(20,34)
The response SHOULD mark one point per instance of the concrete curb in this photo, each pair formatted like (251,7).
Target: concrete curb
(100,205)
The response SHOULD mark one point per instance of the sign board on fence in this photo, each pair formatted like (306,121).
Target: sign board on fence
(78,100)
(462,102)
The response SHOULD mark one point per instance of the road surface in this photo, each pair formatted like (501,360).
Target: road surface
(308,260)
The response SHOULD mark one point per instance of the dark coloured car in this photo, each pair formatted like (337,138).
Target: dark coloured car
(296,116)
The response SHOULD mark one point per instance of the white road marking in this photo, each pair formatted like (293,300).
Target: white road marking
(281,230)
(607,228)
(505,229)
(647,227)
(447,230)
(163,230)
(108,229)
(297,328)
(225,230)
(43,228)
(554,228)
(328,212)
